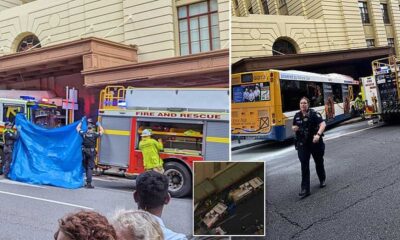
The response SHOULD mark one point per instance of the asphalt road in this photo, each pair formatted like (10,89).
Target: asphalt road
(32,212)
(361,200)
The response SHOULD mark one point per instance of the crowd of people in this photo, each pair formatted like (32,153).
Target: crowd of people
(151,196)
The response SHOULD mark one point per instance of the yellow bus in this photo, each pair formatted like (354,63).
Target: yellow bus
(265,102)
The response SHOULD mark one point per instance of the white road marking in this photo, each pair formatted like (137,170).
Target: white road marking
(115,190)
(281,152)
(20,183)
(344,134)
(112,179)
(46,200)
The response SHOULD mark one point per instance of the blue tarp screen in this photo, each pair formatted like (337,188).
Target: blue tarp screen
(47,156)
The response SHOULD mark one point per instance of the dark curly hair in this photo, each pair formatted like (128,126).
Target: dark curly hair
(86,225)
(152,188)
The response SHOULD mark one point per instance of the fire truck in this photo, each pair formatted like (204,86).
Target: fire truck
(192,123)
(386,73)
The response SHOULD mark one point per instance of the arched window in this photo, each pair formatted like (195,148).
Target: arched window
(283,47)
(28,42)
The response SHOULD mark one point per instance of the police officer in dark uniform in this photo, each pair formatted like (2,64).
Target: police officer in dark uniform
(309,126)
(9,138)
(89,149)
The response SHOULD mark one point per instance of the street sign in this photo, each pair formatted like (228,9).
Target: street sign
(68,105)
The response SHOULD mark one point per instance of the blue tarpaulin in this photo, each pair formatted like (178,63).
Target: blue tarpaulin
(47,156)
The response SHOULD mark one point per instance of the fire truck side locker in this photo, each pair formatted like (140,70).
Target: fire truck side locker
(215,146)
(116,140)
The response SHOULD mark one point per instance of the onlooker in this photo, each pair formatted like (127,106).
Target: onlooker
(136,225)
(89,149)
(85,225)
(150,149)
(151,195)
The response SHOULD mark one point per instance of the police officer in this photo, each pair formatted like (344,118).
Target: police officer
(9,138)
(89,149)
(309,126)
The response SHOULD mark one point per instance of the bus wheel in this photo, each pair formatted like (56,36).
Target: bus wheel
(180,181)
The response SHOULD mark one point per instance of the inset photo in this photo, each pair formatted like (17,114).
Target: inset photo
(229,198)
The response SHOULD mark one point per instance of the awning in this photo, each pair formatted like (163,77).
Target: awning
(63,59)
(203,69)
(306,60)
(102,62)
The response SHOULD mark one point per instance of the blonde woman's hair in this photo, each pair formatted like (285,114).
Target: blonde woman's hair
(140,224)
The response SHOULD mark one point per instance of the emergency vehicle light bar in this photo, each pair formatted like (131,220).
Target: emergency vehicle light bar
(27,98)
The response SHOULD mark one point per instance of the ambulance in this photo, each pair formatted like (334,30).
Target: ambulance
(37,111)
(192,123)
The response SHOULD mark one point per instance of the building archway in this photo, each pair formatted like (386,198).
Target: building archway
(284,46)
(25,41)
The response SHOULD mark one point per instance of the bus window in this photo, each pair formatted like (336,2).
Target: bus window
(255,92)
(315,94)
(337,93)
(10,111)
(346,99)
(292,92)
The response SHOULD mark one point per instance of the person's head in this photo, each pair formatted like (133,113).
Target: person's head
(146,133)
(304,103)
(152,192)
(87,225)
(90,121)
(136,225)
(8,125)
(90,128)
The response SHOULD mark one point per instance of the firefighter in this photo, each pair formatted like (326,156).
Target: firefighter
(89,149)
(309,126)
(9,137)
(359,104)
(150,149)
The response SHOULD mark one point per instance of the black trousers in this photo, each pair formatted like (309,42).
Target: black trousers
(7,163)
(304,152)
(89,155)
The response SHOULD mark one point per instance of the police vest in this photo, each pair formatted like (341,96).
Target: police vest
(308,125)
(9,137)
(89,140)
